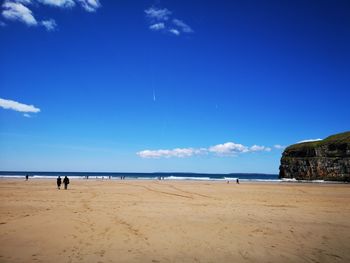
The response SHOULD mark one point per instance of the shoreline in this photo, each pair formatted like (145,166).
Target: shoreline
(231,181)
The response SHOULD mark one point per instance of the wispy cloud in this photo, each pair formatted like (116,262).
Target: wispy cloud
(184,27)
(17,11)
(50,24)
(279,147)
(178,152)
(58,3)
(231,148)
(228,148)
(258,148)
(27,115)
(90,5)
(225,149)
(310,140)
(21,1)
(157,26)
(161,19)
(17,106)
(158,14)
(20,10)
(174,31)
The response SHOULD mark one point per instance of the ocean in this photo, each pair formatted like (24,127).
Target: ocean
(257,177)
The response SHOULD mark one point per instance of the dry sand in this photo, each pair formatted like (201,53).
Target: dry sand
(171,221)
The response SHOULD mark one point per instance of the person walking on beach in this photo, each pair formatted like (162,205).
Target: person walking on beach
(59,182)
(27,176)
(66,182)
(237,181)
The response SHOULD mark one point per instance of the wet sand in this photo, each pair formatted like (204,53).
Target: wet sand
(173,221)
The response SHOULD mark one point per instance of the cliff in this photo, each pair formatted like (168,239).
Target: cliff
(328,159)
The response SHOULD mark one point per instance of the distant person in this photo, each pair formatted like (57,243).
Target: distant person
(59,182)
(66,182)
(237,181)
(27,176)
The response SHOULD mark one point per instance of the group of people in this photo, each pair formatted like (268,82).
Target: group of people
(237,181)
(65,182)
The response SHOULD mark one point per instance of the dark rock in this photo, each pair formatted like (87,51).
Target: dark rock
(328,159)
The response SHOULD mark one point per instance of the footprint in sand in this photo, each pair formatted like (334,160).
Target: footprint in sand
(101,253)
(244,254)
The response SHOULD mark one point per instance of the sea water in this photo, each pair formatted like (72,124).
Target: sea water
(243,177)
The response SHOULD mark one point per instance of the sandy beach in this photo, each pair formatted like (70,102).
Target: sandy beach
(173,221)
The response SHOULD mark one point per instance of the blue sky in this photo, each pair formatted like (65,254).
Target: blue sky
(190,86)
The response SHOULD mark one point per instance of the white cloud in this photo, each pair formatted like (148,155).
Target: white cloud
(225,149)
(157,26)
(178,152)
(17,11)
(157,13)
(184,27)
(27,115)
(228,148)
(58,3)
(159,20)
(174,31)
(25,2)
(257,148)
(90,5)
(50,24)
(17,106)
(310,140)
(278,146)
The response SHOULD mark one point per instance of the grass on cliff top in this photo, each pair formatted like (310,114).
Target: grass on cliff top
(339,138)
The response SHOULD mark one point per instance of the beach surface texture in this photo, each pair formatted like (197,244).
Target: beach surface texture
(173,221)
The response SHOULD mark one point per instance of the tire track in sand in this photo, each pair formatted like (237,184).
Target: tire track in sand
(161,192)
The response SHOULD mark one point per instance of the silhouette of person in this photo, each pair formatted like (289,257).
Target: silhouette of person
(59,182)
(237,181)
(27,176)
(66,182)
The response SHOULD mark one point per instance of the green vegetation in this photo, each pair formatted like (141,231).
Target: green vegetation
(340,138)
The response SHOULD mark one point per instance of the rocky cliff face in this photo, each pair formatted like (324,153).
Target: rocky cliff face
(328,159)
